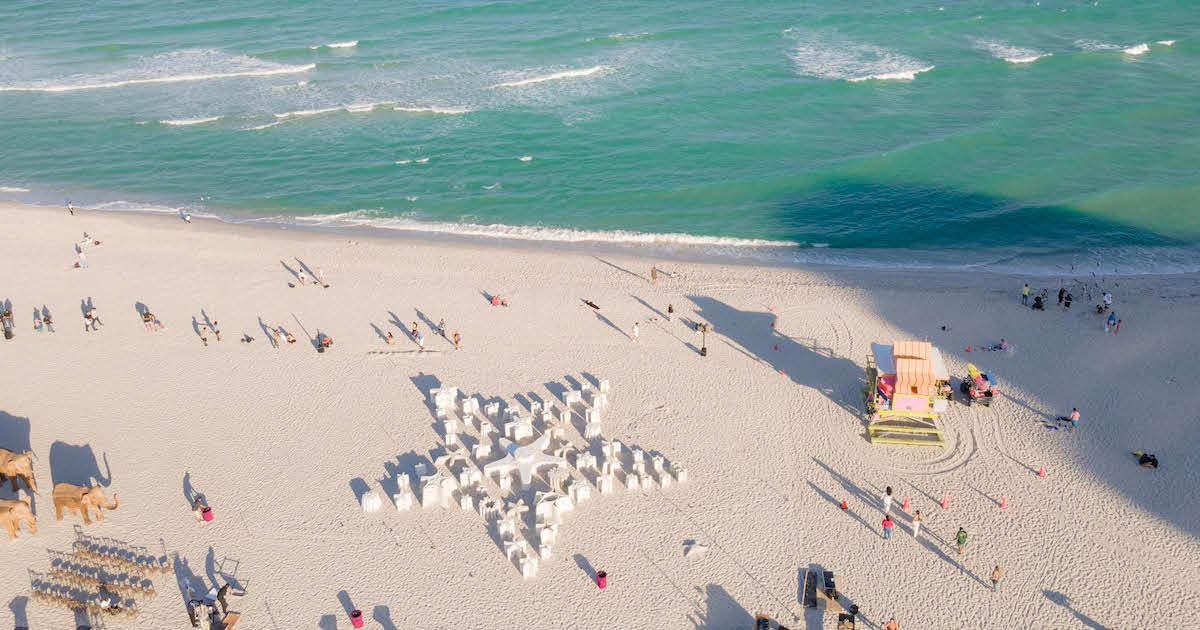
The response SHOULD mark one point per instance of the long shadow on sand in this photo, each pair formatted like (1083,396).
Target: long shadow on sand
(721,611)
(751,333)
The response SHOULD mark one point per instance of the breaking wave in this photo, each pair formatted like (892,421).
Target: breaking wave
(827,58)
(173,67)
(189,121)
(565,74)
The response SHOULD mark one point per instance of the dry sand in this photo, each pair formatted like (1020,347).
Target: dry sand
(280,441)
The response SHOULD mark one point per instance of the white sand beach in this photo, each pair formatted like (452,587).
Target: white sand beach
(282,441)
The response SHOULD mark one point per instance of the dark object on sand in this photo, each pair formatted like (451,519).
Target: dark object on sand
(291,285)
(591,304)
(1146,460)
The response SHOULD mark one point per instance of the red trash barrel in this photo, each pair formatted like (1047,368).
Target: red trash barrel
(356,619)
(206,513)
(602,579)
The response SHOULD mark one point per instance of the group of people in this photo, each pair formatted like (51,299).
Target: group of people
(1113,324)
(419,337)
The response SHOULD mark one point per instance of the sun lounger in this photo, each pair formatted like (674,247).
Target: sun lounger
(810,589)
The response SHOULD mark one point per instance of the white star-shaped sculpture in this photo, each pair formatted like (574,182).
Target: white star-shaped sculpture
(524,459)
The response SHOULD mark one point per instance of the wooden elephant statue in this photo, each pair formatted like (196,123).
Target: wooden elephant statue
(81,498)
(17,465)
(13,512)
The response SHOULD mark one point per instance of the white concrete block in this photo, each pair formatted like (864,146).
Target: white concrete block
(529,567)
(604,483)
(585,461)
(470,406)
(604,386)
(371,502)
(632,482)
(579,491)
(482,450)
(657,462)
(466,502)
(679,471)
(403,500)
(491,409)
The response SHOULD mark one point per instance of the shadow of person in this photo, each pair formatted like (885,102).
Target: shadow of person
(721,611)
(1065,601)
(752,333)
(17,606)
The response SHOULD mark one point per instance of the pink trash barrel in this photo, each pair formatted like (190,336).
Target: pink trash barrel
(602,579)
(206,513)
(356,619)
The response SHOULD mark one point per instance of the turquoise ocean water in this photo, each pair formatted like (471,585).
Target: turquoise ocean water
(1032,137)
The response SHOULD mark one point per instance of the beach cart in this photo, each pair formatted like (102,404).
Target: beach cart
(907,387)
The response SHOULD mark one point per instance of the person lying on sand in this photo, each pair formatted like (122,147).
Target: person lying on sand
(499,301)
(1146,460)
(591,304)
(290,338)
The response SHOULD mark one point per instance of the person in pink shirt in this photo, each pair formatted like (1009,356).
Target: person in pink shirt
(887,527)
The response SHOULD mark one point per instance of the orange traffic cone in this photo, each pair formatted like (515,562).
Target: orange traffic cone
(905,506)
(844,506)
(1042,471)
(968,347)
(1003,503)
(945,501)
(782,372)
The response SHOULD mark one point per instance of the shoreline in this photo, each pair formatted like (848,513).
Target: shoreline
(782,256)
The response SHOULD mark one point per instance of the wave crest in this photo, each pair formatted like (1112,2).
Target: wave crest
(565,74)
(173,67)
(1136,50)
(349,44)
(1012,54)
(189,121)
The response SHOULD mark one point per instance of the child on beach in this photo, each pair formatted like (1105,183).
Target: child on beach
(389,338)
(961,539)
(1025,294)
(456,340)
(887,527)
(1111,323)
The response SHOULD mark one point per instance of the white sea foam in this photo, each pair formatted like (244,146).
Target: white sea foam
(13,189)
(265,126)
(1136,50)
(1091,45)
(1166,42)
(629,36)
(174,67)
(372,218)
(189,121)
(525,158)
(350,44)
(827,57)
(433,110)
(899,75)
(1012,54)
(360,108)
(404,161)
(308,112)
(565,74)
(422,160)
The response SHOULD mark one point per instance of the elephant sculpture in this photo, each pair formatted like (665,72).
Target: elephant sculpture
(13,512)
(17,465)
(72,497)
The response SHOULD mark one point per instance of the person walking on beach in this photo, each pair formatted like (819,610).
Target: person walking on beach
(456,340)
(1061,292)
(1111,323)
(1067,302)
(389,338)
(275,337)
(1117,329)
(887,500)
(961,539)
(916,524)
(887,527)
(653,274)
(442,328)
(997,573)
(670,311)
(414,330)
(203,336)
(71,208)
(421,341)
(82,264)
(216,331)
(1025,295)
(1073,418)
(636,331)
(302,276)
(891,624)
